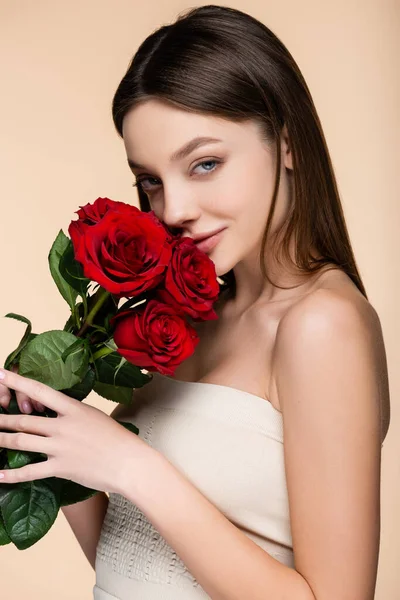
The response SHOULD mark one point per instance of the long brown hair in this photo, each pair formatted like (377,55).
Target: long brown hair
(221,61)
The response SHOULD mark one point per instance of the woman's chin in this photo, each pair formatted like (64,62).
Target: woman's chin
(221,270)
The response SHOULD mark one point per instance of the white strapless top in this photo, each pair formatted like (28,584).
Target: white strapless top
(229,444)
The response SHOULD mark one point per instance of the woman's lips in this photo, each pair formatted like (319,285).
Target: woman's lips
(209,243)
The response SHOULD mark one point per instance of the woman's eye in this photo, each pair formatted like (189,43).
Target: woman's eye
(141,180)
(208,162)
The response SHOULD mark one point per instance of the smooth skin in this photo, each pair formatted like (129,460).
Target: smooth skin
(77,442)
(328,370)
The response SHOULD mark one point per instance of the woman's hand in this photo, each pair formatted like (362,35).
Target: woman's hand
(25,404)
(82,443)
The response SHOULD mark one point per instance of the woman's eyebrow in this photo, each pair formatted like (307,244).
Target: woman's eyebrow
(182,152)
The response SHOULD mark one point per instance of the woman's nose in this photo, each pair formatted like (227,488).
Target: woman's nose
(179,210)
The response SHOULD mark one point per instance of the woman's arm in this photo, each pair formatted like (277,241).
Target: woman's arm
(329,390)
(86,518)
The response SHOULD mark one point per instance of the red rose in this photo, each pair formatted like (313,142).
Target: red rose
(154,337)
(91,214)
(122,248)
(190,283)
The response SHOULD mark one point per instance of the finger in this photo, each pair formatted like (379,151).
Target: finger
(33,404)
(5,396)
(38,391)
(30,472)
(25,403)
(25,442)
(22,399)
(28,424)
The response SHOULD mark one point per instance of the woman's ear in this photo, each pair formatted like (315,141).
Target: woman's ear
(285,146)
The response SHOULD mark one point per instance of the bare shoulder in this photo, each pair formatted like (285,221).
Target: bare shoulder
(331,380)
(328,321)
(326,305)
(335,301)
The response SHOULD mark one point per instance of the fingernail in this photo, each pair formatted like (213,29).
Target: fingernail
(27,407)
(2,374)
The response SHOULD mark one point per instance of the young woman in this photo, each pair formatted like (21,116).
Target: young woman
(259,475)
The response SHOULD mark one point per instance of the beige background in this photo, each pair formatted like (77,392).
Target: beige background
(60,65)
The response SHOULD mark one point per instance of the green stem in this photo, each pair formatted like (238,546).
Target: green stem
(102,352)
(101,298)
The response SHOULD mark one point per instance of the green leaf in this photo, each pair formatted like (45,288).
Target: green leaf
(29,509)
(82,389)
(82,370)
(114,369)
(129,426)
(4,537)
(72,271)
(73,323)
(72,492)
(105,311)
(56,252)
(111,344)
(27,337)
(18,458)
(116,378)
(77,345)
(122,395)
(41,360)
(3,457)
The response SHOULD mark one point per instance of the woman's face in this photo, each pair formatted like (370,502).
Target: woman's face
(226,183)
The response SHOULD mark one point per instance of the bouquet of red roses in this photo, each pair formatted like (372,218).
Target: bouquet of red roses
(115,252)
